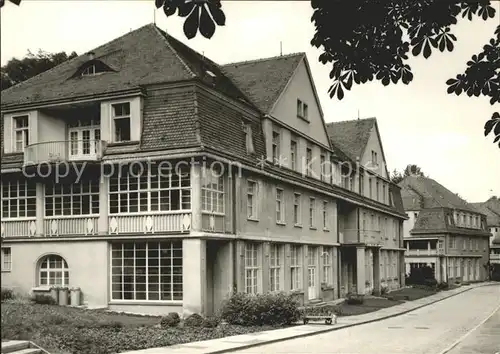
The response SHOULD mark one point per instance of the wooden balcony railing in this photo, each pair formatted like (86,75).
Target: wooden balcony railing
(426,252)
(57,151)
(495,258)
(19,228)
(73,225)
(150,223)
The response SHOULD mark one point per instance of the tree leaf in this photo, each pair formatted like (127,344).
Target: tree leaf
(207,25)
(159,3)
(217,14)
(192,23)
(427,50)
(185,9)
(488,126)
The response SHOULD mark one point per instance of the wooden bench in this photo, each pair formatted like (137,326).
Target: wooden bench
(329,319)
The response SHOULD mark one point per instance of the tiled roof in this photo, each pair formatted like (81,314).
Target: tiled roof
(351,136)
(432,194)
(263,80)
(491,208)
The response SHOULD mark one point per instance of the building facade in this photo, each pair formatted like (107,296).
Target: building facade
(491,208)
(444,232)
(156,180)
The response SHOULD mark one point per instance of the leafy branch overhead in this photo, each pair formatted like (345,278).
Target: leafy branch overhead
(366,40)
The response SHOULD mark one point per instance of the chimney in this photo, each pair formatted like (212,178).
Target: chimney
(91,55)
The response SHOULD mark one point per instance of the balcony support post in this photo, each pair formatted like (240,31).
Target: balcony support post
(103,221)
(40,209)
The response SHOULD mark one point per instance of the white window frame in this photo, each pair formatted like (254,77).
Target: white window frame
(154,183)
(24,130)
(327,266)
(276,146)
(309,157)
(44,266)
(248,138)
(302,109)
(65,198)
(295,267)
(6,259)
(322,161)
(169,255)
(89,71)
(325,214)
(312,212)
(280,206)
(275,263)
(252,200)
(213,192)
(297,209)
(13,204)
(115,117)
(293,154)
(251,268)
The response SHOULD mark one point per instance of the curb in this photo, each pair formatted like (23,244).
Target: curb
(326,330)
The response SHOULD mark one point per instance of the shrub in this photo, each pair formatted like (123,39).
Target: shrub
(353,299)
(194,320)
(258,310)
(443,286)
(422,276)
(7,294)
(42,299)
(211,322)
(384,290)
(170,320)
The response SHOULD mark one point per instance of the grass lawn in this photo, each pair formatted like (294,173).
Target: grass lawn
(411,294)
(65,330)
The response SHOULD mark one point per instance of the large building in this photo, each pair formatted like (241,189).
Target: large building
(491,208)
(156,180)
(443,231)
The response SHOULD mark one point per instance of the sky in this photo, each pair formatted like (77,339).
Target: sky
(419,123)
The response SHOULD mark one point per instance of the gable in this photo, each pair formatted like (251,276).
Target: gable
(374,144)
(350,136)
(301,87)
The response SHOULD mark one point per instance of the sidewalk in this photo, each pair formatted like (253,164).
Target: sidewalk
(229,344)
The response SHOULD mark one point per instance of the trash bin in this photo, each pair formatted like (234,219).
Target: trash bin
(75,296)
(63,296)
(54,292)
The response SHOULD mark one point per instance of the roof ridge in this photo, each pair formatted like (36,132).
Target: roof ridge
(165,36)
(352,120)
(265,59)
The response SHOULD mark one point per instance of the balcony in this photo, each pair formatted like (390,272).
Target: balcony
(150,223)
(495,258)
(66,150)
(426,252)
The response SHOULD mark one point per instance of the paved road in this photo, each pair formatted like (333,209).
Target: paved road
(430,330)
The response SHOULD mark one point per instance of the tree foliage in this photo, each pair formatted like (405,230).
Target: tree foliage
(410,170)
(19,70)
(366,40)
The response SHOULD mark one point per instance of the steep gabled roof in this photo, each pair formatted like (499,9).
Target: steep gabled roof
(142,57)
(351,136)
(491,208)
(264,80)
(432,194)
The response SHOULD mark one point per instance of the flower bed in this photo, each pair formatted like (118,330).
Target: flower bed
(70,330)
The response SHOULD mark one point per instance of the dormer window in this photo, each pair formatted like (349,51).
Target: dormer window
(88,71)
(247,129)
(121,121)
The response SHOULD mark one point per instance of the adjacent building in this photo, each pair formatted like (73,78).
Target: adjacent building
(443,231)
(491,208)
(157,180)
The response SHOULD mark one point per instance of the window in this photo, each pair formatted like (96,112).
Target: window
(309,161)
(252,200)
(72,199)
(327,266)
(212,192)
(53,270)
(121,119)
(276,147)
(6,259)
(464,247)
(90,70)
(295,267)
(146,271)
(297,213)
(312,206)
(325,215)
(280,217)
(384,199)
(251,268)
(370,189)
(21,133)
(248,138)
(293,154)
(274,267)
(146,187)
(18,198)
(302,109)
(450,241)
(361,184)
(477,244)
(323,167)
(374,158)
(84,135)
(471,244)
(377,191)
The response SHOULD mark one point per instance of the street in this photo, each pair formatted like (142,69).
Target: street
(457,321)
